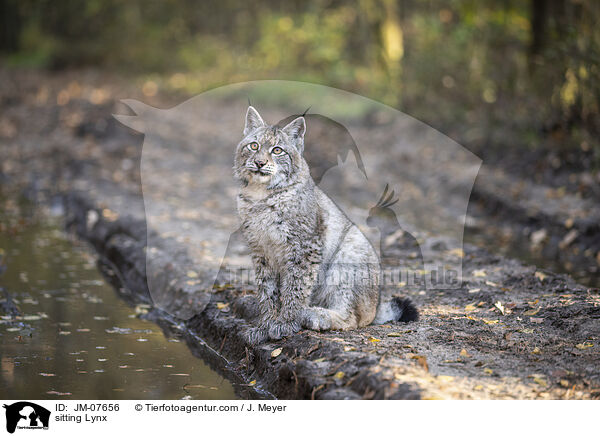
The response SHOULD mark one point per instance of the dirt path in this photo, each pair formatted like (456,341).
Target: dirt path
(510,331)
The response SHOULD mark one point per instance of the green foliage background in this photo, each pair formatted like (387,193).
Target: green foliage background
(510,73)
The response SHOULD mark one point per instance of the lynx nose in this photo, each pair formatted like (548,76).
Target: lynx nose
(260,163)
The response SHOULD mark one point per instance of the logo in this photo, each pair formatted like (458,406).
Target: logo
(26,415)
(355,147)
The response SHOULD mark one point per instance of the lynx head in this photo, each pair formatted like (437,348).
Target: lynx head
(270,155)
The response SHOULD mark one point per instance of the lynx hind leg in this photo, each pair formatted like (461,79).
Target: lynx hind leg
(248,307)
(320,318)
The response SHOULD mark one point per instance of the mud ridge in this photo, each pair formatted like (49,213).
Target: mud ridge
(306,368)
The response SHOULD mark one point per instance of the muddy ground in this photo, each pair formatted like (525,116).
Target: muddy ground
(510,331)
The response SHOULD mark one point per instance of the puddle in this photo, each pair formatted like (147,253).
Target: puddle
(76,339)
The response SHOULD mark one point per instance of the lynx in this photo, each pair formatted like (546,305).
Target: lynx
(314,267)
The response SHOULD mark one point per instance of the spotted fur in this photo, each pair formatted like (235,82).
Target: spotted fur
(314,268)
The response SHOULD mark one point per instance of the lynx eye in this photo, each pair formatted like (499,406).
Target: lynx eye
(253,146)
(277,150)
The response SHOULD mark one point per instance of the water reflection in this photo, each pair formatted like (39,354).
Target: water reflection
(76,339)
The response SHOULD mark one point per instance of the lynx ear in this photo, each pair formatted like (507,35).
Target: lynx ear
(295,130)
(253,120)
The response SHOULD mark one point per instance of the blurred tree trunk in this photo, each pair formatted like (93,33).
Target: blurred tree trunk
(539,18)
(381,44)
(10,26)
(393,46)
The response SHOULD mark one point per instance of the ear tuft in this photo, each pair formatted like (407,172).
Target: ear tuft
(253,120)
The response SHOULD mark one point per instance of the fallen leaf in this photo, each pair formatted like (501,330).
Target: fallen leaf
(564,383)
(538,237)
(469,308)
(192,274)
(568,239)
(339,375)
(349,348)
(464,353)
(252,383)
(498,305)
(531,312)
(479,273)
(540,381)
(421,360)
(276,352)
(584,345)
(223,306)
(536,350)
(489,283)
(569,223)
(212,388)
(474,291)
(540,275)
(491,321)
(433,398)
(374,340)
(457,252)
(110,215)
(488,371)
(140,309)
(394,335)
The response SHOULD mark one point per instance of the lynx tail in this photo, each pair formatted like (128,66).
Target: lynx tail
(397,309)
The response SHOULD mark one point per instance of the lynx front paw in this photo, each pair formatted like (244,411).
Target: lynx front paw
(314,319)
(256,335)
(279,329)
